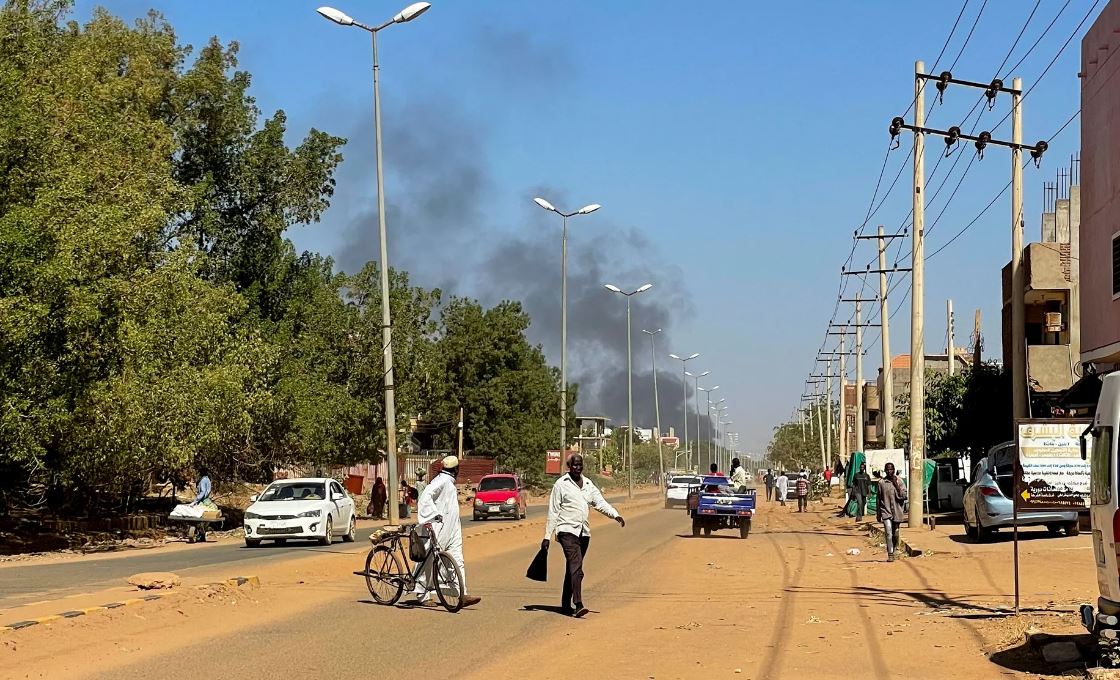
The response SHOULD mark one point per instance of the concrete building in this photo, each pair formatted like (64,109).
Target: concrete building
(1052,305)
(1099,260)
(875,436)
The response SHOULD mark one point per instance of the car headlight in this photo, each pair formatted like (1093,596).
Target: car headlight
(310,513)
(511,501)
(251,515)
(478,503)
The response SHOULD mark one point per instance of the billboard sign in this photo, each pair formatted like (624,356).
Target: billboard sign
(1049,471)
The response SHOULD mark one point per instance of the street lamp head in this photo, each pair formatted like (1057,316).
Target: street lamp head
(545,204)
(651,332)
(411,12)
(703,374)
(340,18)
(673,355)
(713,389)
(694,356)
(689,374)
(588,209)
(612,288)
(644,288)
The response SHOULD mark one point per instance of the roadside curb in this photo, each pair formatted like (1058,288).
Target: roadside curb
(235,582)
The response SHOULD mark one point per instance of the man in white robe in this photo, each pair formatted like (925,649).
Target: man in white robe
(440,499)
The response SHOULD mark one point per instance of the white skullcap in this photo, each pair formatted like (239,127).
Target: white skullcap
(450,462)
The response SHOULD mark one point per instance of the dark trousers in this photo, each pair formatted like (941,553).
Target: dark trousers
(769,493)
(802,503)
(575,547)
(860,502)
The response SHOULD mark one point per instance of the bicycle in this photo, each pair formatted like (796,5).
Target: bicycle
(389,569)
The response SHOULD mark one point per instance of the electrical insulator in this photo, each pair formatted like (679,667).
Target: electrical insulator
(982,142)
(951,139)
(896,127)
(942,85)
(992,91)
(1036,153)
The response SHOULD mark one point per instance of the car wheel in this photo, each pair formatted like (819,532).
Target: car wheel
(695,526)
(1054,529)
(1073,528)
(744,528)
(252,542)
(970,530)
(352,534)
(707,531)
(328,535)
(475,517)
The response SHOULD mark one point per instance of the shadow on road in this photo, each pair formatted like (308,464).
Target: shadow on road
(549,608)
(1027,656)
(717,536)
(1007,536)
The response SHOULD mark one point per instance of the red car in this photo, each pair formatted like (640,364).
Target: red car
(499,496)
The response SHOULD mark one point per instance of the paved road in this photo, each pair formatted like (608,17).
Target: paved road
(35,582)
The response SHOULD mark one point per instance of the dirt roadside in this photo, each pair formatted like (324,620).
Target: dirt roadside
(115,638)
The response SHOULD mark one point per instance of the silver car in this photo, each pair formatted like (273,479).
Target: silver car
(987,502)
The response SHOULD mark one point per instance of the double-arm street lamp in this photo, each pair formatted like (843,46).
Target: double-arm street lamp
(341,18)
(585,210)
(684,397)
(708,397)
(629,382)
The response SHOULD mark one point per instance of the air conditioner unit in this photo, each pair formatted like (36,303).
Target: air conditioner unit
(1054,322)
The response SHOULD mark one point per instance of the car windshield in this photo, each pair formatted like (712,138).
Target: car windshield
(497,484)
(685,480)
(295,491)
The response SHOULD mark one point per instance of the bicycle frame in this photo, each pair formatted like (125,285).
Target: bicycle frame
(414,569)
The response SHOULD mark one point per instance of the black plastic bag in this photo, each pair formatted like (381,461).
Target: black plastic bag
(538,570)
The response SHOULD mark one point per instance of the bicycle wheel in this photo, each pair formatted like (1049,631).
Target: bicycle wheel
(449,582)
(384,575)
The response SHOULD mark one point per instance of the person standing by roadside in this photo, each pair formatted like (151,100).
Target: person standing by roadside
(203,499)
(888,508)
(769,481)
(827,475)
(782,484)
(861,488)
(420,483)
(378,496)
(802,492)
(573,495)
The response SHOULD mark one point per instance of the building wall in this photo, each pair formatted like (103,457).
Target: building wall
(1100,184)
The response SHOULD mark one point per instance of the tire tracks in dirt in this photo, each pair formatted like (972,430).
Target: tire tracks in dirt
(770,667)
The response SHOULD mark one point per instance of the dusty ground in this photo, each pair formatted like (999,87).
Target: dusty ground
(787,602)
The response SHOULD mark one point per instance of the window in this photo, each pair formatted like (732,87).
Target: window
(336,489)
(1116,265)
(497,484)
(1101,472)
(297,491)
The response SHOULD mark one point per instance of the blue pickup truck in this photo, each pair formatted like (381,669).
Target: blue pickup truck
(713,505)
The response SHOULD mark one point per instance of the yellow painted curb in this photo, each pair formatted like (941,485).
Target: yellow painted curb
(47,619)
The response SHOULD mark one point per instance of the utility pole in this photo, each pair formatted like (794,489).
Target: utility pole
(886,394)
(843,443)
(949,334)
(1020,407)
(977,341)
(828,412)
(917,301)
(461,416)
(859,369)
(656,401)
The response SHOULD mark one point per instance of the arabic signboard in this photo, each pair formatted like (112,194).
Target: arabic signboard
(1049,471)
(554,461)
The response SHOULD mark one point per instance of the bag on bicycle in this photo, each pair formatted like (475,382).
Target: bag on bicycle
(417,544)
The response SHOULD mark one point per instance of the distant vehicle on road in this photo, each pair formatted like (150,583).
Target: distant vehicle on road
(499,495)
(987,502)
(712,505)
(316,508)
(676,491)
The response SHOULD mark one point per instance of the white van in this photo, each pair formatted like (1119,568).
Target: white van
(1099,442)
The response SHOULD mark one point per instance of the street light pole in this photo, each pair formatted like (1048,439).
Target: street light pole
(656,401)
(407,14)
(629,384)
(708,396)
(585,210)
(684,396)
(696,400)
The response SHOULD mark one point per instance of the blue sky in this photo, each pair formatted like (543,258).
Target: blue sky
(734,148)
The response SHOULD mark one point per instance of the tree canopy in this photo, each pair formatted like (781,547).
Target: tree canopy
(153,315)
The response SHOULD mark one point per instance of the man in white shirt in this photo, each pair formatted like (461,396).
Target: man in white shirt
(573,496)
(783,486)
(441,499)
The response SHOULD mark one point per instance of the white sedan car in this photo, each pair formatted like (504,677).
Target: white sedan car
(319,509)
(676,492)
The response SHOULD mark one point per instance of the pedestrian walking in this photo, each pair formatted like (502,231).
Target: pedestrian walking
(439,504)
(861,488)
(888,508)
(573,496)
(769,481)
(782,484)
(203,499)
(378,497)
(827,474)
(802,492)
